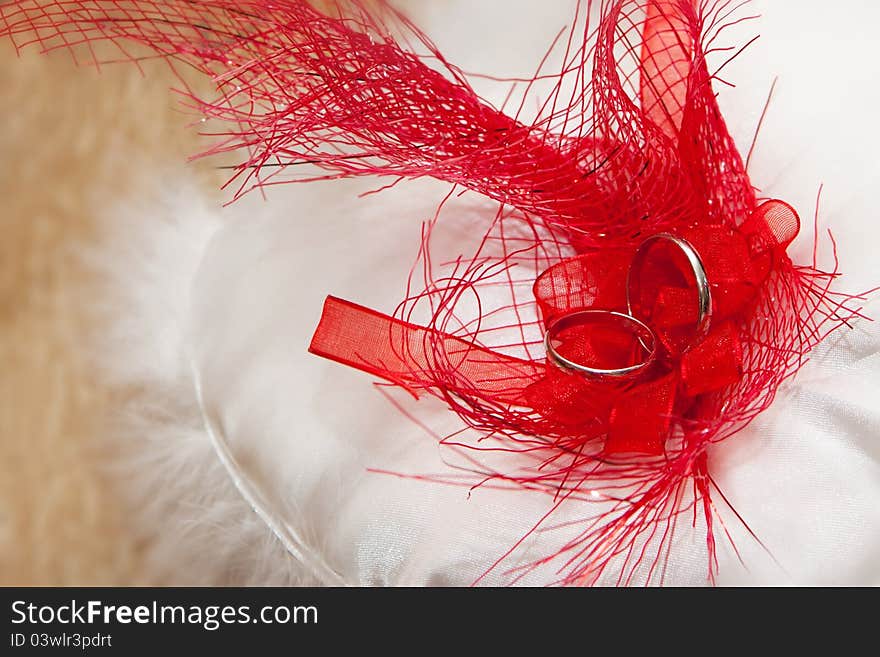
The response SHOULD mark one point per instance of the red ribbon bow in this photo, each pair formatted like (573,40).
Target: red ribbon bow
(635,416)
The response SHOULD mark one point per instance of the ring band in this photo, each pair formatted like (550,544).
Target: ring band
(704,293)
(639,329)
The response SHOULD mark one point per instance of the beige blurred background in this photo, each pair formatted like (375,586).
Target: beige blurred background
(64,133)
(72,140)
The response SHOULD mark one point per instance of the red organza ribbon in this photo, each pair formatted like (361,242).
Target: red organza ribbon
(635,417)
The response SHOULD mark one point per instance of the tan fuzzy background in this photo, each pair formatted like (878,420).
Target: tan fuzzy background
(64,132)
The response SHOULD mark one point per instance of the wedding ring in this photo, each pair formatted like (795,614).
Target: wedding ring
(642,334)
(704,294)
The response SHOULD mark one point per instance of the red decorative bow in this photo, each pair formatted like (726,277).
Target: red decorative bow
(634,417)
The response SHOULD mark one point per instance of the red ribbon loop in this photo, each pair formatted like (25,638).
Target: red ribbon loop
(634,416)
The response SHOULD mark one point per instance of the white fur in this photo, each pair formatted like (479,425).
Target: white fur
(198,529)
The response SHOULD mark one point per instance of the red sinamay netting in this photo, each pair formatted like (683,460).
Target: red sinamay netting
(628,143)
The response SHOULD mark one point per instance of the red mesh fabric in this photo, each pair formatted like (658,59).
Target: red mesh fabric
(629,143)
(334,89)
